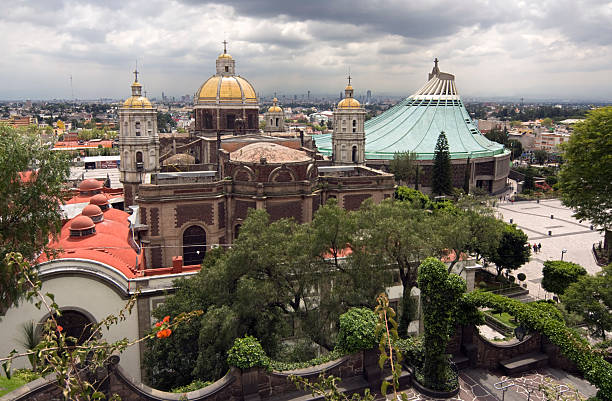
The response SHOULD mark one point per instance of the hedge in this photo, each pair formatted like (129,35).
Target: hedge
(284,366)
(541,319)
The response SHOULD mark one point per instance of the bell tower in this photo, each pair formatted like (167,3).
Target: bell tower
(348,137)
(138,142)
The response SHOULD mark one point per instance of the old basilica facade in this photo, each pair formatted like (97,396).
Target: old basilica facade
(185,210)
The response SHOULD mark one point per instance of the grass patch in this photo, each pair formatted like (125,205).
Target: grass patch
(505,318)
(18,379)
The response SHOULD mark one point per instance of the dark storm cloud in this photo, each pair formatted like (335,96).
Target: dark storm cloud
(401,17)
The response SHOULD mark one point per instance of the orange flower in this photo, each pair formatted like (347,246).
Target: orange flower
(59,328)
(166,319)
(158,324)
(164,333)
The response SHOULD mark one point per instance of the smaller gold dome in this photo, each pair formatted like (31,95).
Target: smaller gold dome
(348,88)
(274,108)
(349,103)
(137,102)
(225,55)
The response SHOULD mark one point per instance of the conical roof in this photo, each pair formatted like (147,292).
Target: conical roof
(414,124)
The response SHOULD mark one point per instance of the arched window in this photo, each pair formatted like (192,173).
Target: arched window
(237,230)
(75,324)
(276,122)
(354,154)
(138,157)
(194,245)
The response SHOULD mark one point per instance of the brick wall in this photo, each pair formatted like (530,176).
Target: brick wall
(194,212)
(281,210)
(352,202)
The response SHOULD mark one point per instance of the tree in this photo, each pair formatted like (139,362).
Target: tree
(513,250)
(516,148)
(441,179)
(404,166)
(584,178)
(529,181)
(591,297)
(440,292)
(541,156)
(416,198)
(32,186)
(558,275)
(547,122)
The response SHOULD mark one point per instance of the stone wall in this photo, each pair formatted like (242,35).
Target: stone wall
(236,385)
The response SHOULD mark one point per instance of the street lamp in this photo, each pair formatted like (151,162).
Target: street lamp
(563,252)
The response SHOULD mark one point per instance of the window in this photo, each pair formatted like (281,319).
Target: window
(230,121)
(138,157)
(354,154)
(226,68)
(194,245)
(276,122)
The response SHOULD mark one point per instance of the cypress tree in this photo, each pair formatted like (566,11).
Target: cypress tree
(441,180)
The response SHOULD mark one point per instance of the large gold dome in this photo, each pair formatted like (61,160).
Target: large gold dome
(226,89)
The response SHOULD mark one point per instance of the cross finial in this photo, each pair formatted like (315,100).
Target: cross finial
(436,61)
(349,78)
(136,72)
(224,46)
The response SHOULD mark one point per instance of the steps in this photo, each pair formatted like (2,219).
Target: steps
(461,361)
(524,363)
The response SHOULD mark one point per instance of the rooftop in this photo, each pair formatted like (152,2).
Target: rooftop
(414,124)
(271,152)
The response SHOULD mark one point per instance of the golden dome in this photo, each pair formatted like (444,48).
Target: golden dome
(274,108)
(231,89)
(348,88)
(349,103)
(137,102)
(224,55)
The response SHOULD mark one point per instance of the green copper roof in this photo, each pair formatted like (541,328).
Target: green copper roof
(414,124)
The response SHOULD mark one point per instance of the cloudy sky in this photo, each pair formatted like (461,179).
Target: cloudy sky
(550,48)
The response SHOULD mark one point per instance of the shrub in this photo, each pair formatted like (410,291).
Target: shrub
(280,366)
(193,386)
(246,353)
(558,275)
(357,330)
(412,349)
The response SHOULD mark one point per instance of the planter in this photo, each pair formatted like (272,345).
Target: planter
(429,392)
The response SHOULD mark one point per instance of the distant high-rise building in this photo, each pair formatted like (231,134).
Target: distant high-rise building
(368,96)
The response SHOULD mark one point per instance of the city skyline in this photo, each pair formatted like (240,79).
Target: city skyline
(556,50)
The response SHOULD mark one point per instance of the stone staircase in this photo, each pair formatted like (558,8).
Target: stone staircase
(523,363)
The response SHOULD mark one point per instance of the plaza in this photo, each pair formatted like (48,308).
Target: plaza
(551,224)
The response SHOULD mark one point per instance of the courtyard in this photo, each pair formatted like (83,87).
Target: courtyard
(561,236)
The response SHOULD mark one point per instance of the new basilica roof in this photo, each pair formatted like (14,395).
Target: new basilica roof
(414,124)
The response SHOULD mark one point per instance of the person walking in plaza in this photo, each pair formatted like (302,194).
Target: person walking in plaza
(539,247)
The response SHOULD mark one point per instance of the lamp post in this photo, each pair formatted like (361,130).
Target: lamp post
(563,252)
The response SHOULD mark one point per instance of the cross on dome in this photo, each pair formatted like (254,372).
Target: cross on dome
(224,46)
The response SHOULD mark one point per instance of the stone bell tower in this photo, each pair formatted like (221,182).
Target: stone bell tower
(138,142)
(348,138)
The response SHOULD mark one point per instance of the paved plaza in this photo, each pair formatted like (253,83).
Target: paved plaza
(479,385)
(566,232)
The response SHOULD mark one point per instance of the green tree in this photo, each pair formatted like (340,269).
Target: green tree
(584,178)
(558,275)
(516,148)
(513,250)
(541,156)
(404,166)
(414,197)
(529,181)
(547,122)
(441,180)
(591,297)
(440,292)
(32,180)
